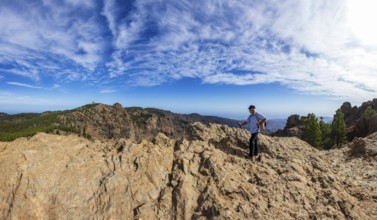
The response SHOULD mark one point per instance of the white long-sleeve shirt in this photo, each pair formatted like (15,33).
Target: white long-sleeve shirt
(253,121)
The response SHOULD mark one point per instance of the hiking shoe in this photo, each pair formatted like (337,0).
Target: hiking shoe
(258,158)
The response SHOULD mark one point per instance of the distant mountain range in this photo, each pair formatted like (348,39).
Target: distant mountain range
(106,121)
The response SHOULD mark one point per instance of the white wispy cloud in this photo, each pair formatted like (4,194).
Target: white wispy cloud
(23,85)
(306,45)
(38,33)
(106,91)
(31,72)
(109,11)
(311,46)
(56,86)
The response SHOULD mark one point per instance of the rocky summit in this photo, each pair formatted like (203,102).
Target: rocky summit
(204,175)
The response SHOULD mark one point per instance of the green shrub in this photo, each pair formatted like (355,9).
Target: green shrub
(369,112)
(46,122)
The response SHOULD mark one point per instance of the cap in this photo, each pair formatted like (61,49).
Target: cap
(251,106)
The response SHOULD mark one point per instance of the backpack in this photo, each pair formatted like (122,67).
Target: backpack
(263,126)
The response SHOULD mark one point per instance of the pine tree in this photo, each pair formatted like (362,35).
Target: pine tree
(326,131)
(339,129)
(369,112)
(312,132)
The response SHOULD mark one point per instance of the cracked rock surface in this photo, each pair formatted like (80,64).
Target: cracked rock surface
(202,176)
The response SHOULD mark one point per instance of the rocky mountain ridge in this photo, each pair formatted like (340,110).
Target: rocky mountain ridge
(203,175)
(99,121)
(110,121)
(357,124)
(107,122)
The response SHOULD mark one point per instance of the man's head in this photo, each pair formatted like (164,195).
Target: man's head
(252,108)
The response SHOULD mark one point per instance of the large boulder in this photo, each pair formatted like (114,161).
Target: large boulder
(363,127)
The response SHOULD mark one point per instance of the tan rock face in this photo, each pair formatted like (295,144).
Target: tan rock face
(205,176)
(355,166)
(100,122)
(114,122)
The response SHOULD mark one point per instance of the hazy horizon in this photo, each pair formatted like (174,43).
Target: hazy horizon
(234,117)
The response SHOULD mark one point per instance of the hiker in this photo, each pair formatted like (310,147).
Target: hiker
(255,120)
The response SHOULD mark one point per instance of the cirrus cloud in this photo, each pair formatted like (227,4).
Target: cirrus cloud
(313,47)
(23,85)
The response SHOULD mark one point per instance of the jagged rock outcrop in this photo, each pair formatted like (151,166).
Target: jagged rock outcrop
(114,122)
(353,114)
(350,113)
(293,128)
(100,121)
(149,122)
(357,125)
(363,127)
(202,176)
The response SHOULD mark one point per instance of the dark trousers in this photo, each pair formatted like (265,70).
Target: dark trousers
(253,144)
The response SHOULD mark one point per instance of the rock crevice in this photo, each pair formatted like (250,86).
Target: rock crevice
(202,176)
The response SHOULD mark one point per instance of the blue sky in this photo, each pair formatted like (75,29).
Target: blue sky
(209,57)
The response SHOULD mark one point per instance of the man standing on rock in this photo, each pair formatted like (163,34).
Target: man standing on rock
(255,120)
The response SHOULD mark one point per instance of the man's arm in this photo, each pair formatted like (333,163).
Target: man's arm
(242,123)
